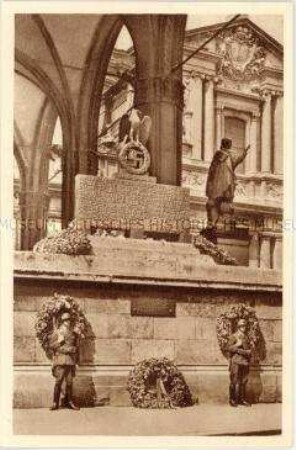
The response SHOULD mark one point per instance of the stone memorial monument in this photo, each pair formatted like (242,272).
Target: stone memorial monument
(133,202)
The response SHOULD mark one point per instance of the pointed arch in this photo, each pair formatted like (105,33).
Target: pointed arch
(96,64)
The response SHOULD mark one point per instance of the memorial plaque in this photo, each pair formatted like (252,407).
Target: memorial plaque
(160,307)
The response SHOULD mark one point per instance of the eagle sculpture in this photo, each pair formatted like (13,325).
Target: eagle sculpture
(134,127)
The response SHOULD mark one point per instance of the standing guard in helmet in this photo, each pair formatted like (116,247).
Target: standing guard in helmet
(64,344)
(239,364)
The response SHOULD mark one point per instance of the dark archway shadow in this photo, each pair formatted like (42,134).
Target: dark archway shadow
(254,388)
(84,387)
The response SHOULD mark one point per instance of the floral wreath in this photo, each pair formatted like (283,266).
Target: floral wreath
(123,154)
(227,324)
(207,247)
(48,317)
(158,383)
(70,241)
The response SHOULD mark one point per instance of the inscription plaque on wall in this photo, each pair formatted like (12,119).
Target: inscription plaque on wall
(160,307)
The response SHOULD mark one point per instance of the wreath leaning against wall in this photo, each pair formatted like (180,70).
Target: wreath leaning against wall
(49,314)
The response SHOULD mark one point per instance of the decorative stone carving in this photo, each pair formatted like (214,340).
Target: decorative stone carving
(193,179)
(274,191)
(107,142)
(240,190)
(243,54)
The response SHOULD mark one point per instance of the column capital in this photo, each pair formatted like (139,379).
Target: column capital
(255,116)
(196,74)
(159,88)
(270,234)
(267,93)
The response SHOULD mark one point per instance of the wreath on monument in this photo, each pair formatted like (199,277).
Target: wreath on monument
(227,324)
(48,317)
(126,154)
(158,383)
(70,241)
(207,247)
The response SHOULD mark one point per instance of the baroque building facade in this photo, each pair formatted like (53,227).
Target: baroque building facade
(233,88)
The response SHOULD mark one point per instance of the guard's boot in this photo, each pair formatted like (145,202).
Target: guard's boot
(232,398)
(56,397)
(69,397)
(242,396)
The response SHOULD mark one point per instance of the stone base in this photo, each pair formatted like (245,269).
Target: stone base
(33,387)
(142,299)
(131,202)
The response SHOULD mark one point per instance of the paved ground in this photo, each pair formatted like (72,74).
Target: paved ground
(199,420)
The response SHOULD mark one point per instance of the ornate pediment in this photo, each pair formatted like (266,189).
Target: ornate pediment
(244,50)
(243,54)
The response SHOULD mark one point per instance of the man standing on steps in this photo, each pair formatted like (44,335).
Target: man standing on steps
(64,344)
(239,364)
(220,186)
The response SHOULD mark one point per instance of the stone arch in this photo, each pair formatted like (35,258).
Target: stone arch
(156,51)
(28,68)
(101,48)
(20,195)
(21,163)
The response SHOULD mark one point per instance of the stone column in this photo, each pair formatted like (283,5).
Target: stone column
(187,124)
(162,99)
(277,253)
(219,125)
(265,256)
(254,250)
(246,166)
(278,135)
(252,155)
(209,120)
(34,208)
(196,122)
(266,134)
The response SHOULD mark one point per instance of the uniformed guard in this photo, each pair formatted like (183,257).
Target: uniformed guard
(64,344)
(239,364)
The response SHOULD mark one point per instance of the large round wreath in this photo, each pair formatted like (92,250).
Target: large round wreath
(158,383)
(227,324)
(49,315)
(123,158)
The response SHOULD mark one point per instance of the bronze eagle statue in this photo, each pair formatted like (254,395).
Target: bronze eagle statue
(134,127)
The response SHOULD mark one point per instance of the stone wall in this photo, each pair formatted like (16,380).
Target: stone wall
(133,320)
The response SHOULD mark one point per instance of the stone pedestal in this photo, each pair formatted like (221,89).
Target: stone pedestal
(142,299)
(131,202)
